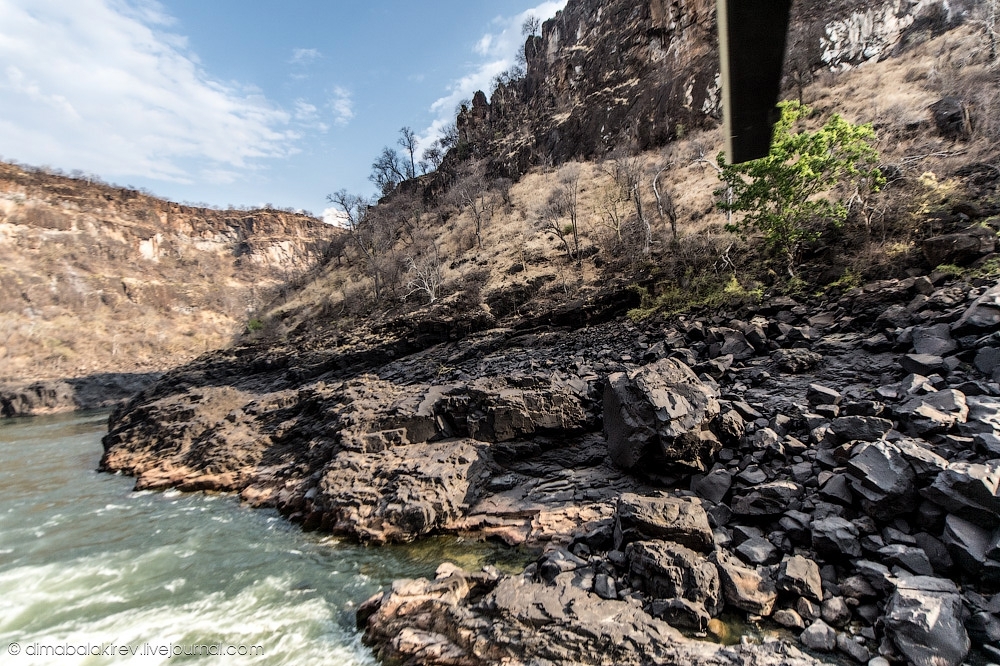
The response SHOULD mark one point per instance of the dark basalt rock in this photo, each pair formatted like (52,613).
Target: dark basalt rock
(796,360)
(660,409)
(666,571)
(682,521)
(924,619)
(960,248)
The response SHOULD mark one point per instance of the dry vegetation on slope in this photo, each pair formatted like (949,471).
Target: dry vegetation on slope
(524,260)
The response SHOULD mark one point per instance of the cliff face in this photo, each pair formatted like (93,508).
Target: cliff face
(98,278)
(637,75)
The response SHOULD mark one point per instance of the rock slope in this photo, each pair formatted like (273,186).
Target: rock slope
(832,467)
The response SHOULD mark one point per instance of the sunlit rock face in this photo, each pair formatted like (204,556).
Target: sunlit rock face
(99,279)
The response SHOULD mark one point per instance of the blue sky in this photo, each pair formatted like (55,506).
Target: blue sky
(241,102)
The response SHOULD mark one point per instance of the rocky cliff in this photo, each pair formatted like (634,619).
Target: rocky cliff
(104,280)
(637,75)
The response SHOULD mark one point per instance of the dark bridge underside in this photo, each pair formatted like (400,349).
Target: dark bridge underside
(752,36)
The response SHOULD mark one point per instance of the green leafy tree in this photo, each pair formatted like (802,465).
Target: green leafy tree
(788,195)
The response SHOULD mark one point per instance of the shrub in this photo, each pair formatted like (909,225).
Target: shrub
(785,194)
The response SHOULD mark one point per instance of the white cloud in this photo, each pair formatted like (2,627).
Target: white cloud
(304,56)
(336,217)
(99,85)
(498,51)
(342,104)
(304,111)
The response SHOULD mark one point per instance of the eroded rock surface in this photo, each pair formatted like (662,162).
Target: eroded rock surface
(855,503)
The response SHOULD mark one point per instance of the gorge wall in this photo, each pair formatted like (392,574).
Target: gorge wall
(97,279)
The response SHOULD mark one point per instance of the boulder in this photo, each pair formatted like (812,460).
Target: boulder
(924,619)
(970,491)
(731,426)
(967,543)
(744,588)
(951,117)
(641,518)
(923,364)
(819,636)
(800,576)
(767,499)
(730,342)
(852,648)
(862,428)
(714,485)
(960,248)
(926,464)
(911,558)
(666,570)
(835,612)
(935,412)
(984,416)
(836,536)
(817,394)
(474,619)
(984,313)
(401,492)
(935,340)
(987,360)
(788,618)
(883,479)
(795,360)
(936,551)
(758,550)
(660,409)
(894,316)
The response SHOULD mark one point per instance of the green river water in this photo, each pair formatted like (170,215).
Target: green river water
(87,565)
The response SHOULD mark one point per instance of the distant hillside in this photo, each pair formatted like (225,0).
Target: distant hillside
(98,279)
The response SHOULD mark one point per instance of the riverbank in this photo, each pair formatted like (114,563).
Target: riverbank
(85,560)
(828,465)
(99,391)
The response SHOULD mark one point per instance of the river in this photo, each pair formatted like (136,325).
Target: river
(88,565)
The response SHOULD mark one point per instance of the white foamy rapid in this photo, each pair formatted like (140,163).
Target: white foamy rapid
(87,565)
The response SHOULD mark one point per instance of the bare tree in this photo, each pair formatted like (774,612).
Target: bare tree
(431,158)
(408,140)
(563,204)
(472,194)
(425,269)
(502,187)
(550,220)
(627,172)
(699,158)
(665,201)
(449,136)
(529,29)
(531,26)
(613,206)
(372,233)
(387,171)
(352,207)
